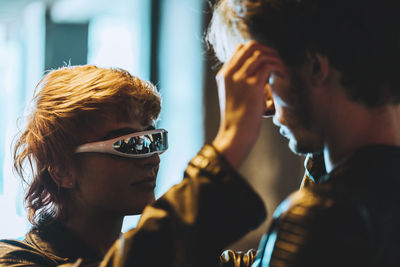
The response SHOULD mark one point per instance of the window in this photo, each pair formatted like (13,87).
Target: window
(121,33)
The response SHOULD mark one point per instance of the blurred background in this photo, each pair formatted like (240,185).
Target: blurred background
(156,40)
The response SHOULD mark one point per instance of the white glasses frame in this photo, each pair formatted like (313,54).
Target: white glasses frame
(106,146)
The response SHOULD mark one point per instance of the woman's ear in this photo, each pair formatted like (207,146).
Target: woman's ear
(62,178)
(320,69)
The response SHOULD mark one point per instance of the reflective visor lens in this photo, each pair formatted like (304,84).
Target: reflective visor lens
(135,145)
(143,144)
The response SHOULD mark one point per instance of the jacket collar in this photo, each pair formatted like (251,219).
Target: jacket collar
(368,162)
(60,244)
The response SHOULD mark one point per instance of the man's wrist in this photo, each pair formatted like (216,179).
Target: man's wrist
(233,149)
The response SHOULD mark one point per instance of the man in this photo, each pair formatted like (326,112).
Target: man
(327,73)
(331,67)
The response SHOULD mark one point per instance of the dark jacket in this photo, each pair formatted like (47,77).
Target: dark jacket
(350,217)
(189,226)
(46,245)
(347,218)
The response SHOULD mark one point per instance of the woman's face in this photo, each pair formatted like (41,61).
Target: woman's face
(112,184)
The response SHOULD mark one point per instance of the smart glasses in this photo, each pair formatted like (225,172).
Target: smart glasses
(135,145)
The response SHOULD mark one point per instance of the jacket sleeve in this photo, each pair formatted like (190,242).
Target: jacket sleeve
(191,224)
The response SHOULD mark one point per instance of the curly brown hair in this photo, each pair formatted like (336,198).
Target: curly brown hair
(66,102)
(359,37)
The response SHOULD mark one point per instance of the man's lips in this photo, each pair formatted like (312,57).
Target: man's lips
(284,132)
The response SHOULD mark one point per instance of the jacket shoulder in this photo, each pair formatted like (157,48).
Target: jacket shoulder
(19,253)
(316,218)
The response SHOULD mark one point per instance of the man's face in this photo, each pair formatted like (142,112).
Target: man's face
(112,184)
(294,114)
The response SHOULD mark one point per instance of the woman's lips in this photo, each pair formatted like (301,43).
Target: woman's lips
(149,181)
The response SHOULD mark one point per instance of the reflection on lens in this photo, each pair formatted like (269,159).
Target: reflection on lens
(143,144)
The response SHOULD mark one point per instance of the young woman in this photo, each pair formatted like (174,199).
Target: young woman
(93,157)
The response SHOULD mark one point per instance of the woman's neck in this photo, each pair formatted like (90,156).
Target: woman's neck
(97,230)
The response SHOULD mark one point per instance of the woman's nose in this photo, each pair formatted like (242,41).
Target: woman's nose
(153,160)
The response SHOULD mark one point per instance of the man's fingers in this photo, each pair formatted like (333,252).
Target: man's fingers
(265,72)
(253,64)
(243,53)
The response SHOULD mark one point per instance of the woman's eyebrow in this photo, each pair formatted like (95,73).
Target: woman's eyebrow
(118,132)
(123,131)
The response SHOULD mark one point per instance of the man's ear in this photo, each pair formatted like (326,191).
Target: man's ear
(269,102)
(62,178)
(320,69)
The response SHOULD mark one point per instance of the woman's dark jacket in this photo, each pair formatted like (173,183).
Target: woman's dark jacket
(189,226)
